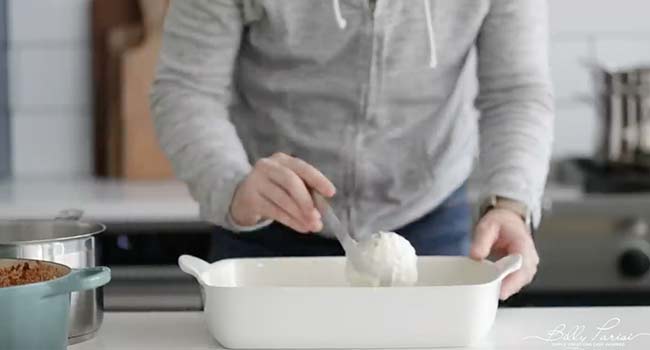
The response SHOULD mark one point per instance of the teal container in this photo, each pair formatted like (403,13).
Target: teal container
(35,316)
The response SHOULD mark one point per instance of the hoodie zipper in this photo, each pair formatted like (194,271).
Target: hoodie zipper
(366,110)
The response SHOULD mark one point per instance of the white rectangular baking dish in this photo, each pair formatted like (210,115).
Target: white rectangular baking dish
(301,303)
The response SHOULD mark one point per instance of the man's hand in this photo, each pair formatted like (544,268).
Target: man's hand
(277,188)
(503,232)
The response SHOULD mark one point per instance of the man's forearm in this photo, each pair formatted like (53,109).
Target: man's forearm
(516,101)
(190,100)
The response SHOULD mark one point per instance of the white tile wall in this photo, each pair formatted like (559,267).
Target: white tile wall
(598,17)
(569,69)
(56,145)
(577,131)
(50,78)
(50,87)
(614,34)
(46,22)
(621,52)
(570,60)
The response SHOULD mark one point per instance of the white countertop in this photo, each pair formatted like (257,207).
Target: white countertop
(124,201)
(624,328)
(101,200)
(169,201)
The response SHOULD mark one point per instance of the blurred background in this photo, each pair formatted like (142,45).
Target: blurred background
(75,132)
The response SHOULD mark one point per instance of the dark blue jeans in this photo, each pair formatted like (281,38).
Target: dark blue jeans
(443,231)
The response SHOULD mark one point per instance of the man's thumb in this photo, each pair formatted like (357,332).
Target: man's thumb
(485,234)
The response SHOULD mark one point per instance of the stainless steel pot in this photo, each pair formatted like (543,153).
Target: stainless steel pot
(64,240)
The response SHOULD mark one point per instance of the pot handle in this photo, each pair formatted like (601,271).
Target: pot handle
(193,266)
(80,279)
(69,214)
(508,264)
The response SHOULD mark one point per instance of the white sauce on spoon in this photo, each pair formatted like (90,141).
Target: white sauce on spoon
(388,259)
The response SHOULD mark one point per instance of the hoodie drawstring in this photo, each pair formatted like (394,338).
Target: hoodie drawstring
(433,55)
(337,13)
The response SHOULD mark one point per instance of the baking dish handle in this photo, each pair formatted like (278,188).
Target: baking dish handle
(193,266)
(508,264)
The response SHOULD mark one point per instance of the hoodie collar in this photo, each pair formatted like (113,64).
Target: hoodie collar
(433,54)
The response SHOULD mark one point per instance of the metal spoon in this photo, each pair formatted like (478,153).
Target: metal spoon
(353,253)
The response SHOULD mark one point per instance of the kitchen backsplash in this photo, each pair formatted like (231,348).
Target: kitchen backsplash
(615,34)
(50,100)
(5,152)
(50,87)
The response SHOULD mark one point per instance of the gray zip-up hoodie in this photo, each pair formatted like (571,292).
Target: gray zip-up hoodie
(380,99)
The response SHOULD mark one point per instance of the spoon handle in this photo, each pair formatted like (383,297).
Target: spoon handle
(332,221)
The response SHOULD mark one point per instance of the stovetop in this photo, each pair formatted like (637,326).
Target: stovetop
(599,177)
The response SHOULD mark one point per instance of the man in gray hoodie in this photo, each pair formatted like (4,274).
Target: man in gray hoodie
(258,102)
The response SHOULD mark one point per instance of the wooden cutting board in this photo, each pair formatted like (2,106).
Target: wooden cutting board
(106,15)
(126,139)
